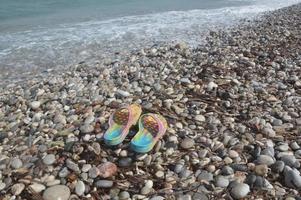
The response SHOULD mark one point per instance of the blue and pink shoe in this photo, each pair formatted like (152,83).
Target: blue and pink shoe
(151,129)
(120,123)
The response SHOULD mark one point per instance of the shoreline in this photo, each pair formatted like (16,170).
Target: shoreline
(232,104)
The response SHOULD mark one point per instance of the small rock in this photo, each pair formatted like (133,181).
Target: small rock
(37,187)
(200,118)
(205,176)
(124,195)
(187,143)
(16,163)
(157,198)
(159,174)
(17,188)
(265,159)
(57,192)
(80,188)
(86,167)
(240,190)
(87,128)
(123,93)
(292,178)
(64,172)
(2,186)
(107,169)
(145,190)
(295,146)
(211,86)
(125,162)
(278,166)
(233,154)
(71,165)
(104,184)
(93,172)
(49,159)
(290,160)
(261,170)
(221,181)
(226,170)
(35,105)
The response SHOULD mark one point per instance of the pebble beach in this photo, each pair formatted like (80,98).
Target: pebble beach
(233,105)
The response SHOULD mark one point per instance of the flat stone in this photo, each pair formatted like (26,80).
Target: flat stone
(80,188)
(2,186)
(187,143)
(73,166)
(295,146)
(16,163)
(240,190)
(205,176)
(145,190)
(292,178)
(265,159)
(93,172)
(221,181)
(37,187)
(278,166)
(64,172)
(35,105)
(200,118)
(17,188)
(261,170)
(49,159)
(290,160)
(57,192)
(124,195)
(226,170)
(86,167)
(125,162)
(157,198)
(104,184)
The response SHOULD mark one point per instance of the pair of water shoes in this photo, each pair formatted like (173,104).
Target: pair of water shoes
(151,128)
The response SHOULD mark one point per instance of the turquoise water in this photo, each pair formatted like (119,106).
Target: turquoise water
(42,34)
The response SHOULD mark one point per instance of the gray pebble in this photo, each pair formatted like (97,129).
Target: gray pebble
(187,143)
(17,188)
(93,172)
(49,159)
(282,147)
(80,188)
(57,192)
(226,170)
(265,159)
(278,166)
(73,166)
(205,176)
(16,163)
(2,186)
(64,172)
(124,195)
(290,160)
(240,190)
(104,184)
(221,181)
(292,178)
(295,146)
(125,162)
(157,198)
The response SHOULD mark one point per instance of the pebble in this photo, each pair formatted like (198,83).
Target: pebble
(80,188)
(125,162)
(2,186)
(71,165)
(35,105)
(93,172)
(292,178)
(86,167)
(187,143)
(278,166)
(104,184)
(107,169)
(49,159)
(240,190)
(221,181)
(57,192)
(157,198)
(205,176)
(16,163)
(295,146)
(200,118)
(159,174)
(17,189)
(124,195)
(261,170)
(290,160)
(233,154)
(265,159)
(37,187)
